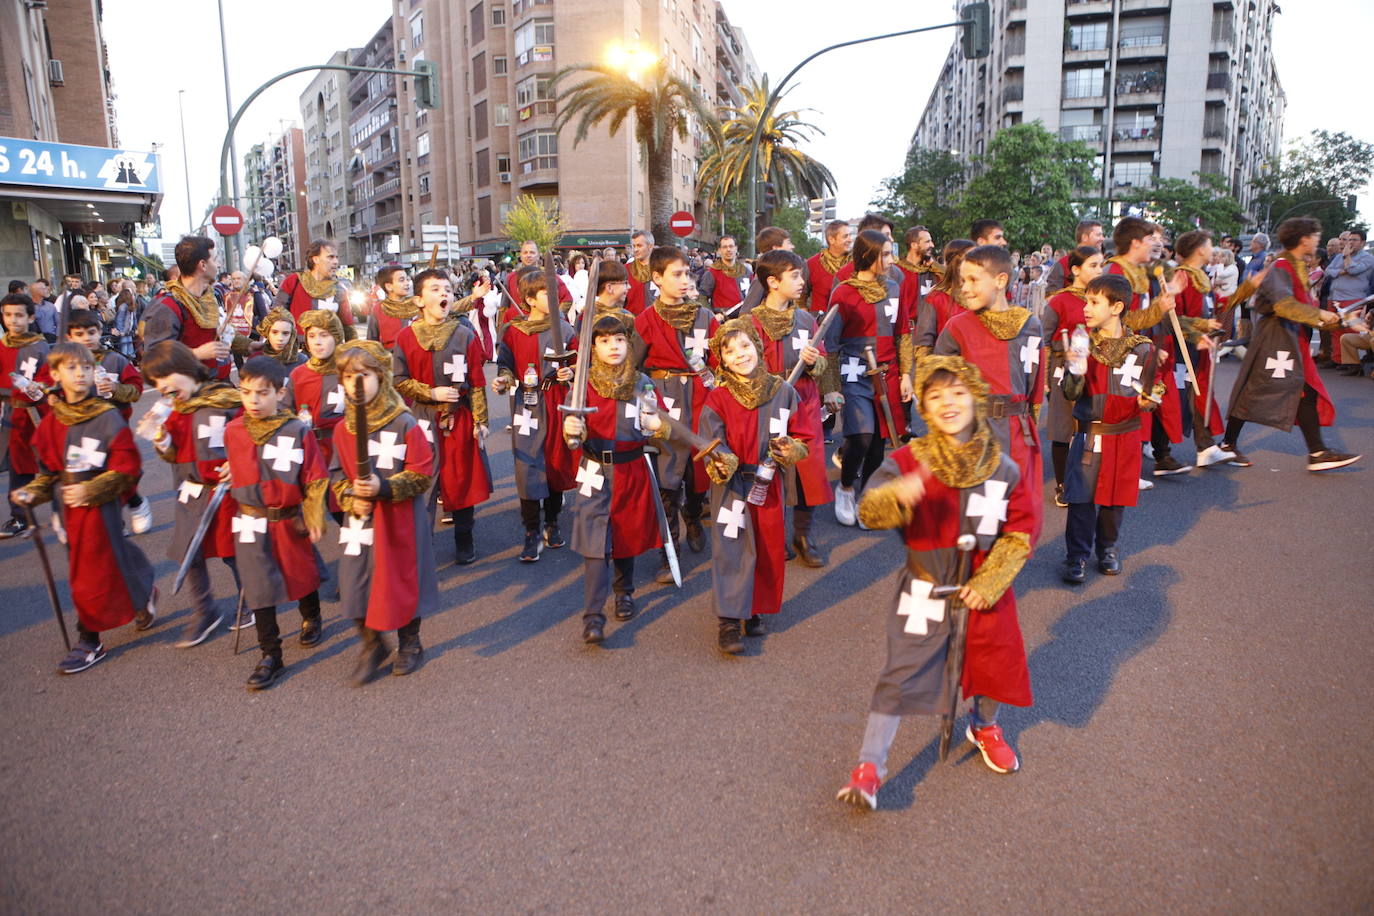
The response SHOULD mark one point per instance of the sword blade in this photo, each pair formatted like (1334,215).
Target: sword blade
(578,395)
(879,378)
(669,549)
(36,533)
(555,313)
(211,507)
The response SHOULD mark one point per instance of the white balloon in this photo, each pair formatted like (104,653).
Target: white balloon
(251,254)
(266,267)
(272,247)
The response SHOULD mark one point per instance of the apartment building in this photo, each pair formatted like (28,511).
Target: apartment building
(274,176)
(1159,88)
(325,116)
(736,68)
(374,153)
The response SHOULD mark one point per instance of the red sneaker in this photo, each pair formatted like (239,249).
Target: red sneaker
(997,754)
(862,789)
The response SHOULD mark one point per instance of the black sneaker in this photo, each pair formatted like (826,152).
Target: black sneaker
(82,656)
(13,528)
(533,547)
(1059,499)
(1327,460)
(198,630)
(624,607)
(265,674)
(312,631)
(1238,459)
(1109,564)
(1169,465)
(465,550)
(1074,572)
(553,538)
(731,640)
(754,626)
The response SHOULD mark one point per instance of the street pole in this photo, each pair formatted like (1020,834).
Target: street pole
(233,150)
(773,100)
(185,164)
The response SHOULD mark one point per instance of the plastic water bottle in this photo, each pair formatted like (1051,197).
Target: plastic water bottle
(763,477)
(152,421)
(703,371)
(1078,351)
(531,384)
(32,390)
(306,416)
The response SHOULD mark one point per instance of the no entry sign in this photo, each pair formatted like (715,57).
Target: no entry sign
(682,223)
(226,220)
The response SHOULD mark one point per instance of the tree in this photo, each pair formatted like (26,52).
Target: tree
(659,106)
(926,193)
(1179,205)
(1317,176)
(531,219)
(1029,180)
(725,167)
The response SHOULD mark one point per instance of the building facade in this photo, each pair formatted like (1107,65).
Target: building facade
(1159,88)
(736,68)
(325,114)
(275,185)
(374,154)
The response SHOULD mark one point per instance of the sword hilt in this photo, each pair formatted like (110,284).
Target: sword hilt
(575,442)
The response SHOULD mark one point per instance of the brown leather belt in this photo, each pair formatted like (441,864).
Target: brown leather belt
(671,373)
(1001,405)
(272,515)
(1092,428)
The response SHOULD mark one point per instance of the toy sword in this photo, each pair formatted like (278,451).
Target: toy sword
(879,379)
(958,633)
(577,405)
(193,550)
(36,534)
(560,355)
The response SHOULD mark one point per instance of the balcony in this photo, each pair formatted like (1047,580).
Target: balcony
(1014,93)
(1143,82)
(1081,133)
(1136,139)
(1151,44)
(1219,81)
(387,222)
(1136,6)
(1087,7)
(541,171)
(387,189)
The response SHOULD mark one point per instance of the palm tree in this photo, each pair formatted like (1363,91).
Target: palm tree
(795,175)
(659,103)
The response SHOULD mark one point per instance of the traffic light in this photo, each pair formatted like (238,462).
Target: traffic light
(426,84)
(769,196)
(977,30)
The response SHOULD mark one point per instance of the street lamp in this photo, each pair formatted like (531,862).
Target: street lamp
(631,60)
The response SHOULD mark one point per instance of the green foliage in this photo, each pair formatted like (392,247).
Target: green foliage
(792,217)
(531,219)
(1314,178)
(1028,179)
(1180,206)
(926,193)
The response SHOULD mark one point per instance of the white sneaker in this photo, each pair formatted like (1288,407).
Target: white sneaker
(844,506)
(141,519)
(1213,454)
(1146,484)
(1238,351)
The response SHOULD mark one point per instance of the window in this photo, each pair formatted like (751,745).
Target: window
(1125,174)
(484,216)
(477,23)
(501,114)
(422,144)
(498,66)
(483,168)
(479,121)
(1091,36)
(538,149)
(479,73)
(498,16)
(1085,83)
(424,184)
(503,211)
(534,42)
(417,30)
(533,95)
(503,162)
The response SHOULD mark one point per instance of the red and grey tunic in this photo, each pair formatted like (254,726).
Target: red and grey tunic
(110,578)
(1016,381)
(386,569)
(937,307)
(293,297)
(879,325)
(613,512)
(270,537)
(1168,412)
(640,295)
(168,320)
(1063,313)
(125,373)
(197,451)
(913,680)
(17,412)
(543,462)
(1194,303)
(1104,453)
(463,469)
(724,292)
(660,350)
(819,283)
(748,560)
(323,395)
(809,478)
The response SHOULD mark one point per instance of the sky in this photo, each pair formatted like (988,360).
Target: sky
(158,47)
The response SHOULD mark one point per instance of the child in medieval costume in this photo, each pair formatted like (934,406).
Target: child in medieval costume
(191,439)
(1110,387)
(1194,307)
(941,304)
(315,393)
(87,462)
(1062,315)
(439,369)
(278,331)
(544,467)
(397,308)
(757,418)
(788,335)
(953,481)
(23,376)
(613,515)
(278,478)
(386,573)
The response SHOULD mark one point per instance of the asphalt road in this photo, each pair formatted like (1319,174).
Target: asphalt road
(1200,740)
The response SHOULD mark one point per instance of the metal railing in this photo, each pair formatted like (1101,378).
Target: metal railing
(1086,133)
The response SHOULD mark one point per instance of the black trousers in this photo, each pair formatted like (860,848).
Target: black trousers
(863,454)
(691,503)
(1308,422)
(552,505)
(598,581)
(17,482)
(1090,525)
(269,634)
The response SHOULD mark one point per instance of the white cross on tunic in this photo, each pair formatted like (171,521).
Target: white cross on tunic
(331,304)
(283,454)
(1030,355)
(427,428)
(919,609)
(1129,371)
(85,457)
(674,412)
(28,367)
(698,342)
(852,370)
(590,476)
(335,400)
(732,518)
(212,431)
(1280,365)
(355,535)
(801,339)
(632,414)
(1059,373)
(891,310)
(387,449)
(189,490)
(1097,444)
(777,426)
(1180,375)
(457,368)
(248,528)
(527,422)
(989,506)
